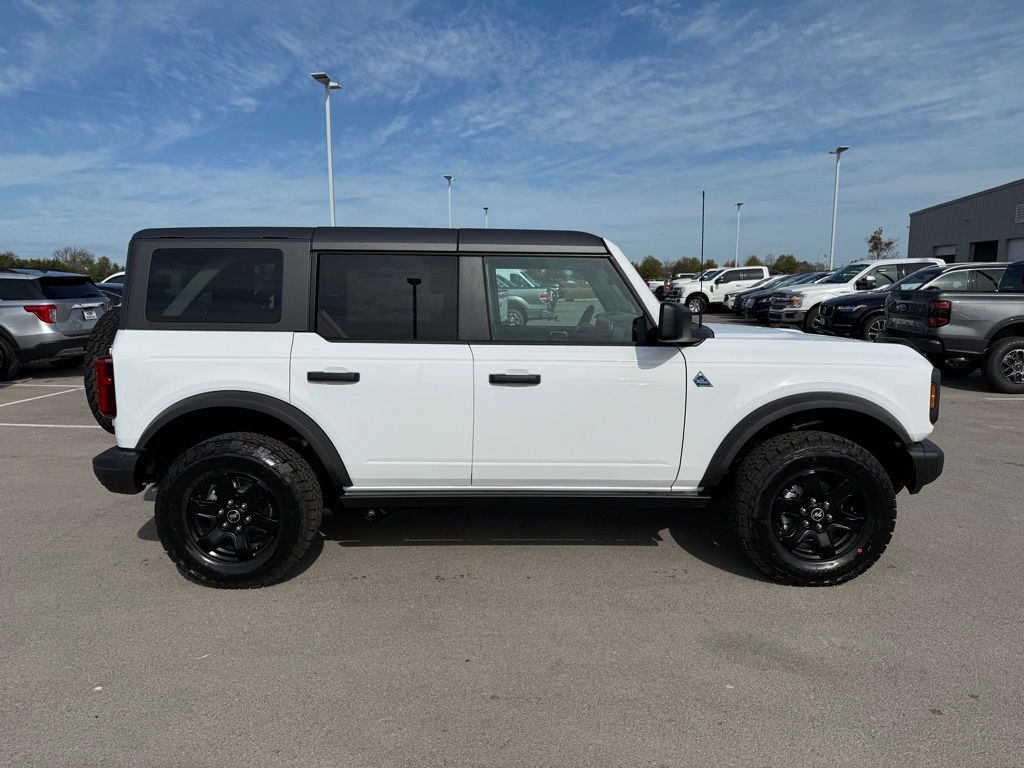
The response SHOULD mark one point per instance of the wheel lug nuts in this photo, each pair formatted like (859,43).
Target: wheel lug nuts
(220,512)
(249,519)
(825,505)
(224,526)
(829,517)
(238,528)
(806,524)
(244,505)
(803,510)
(818,526)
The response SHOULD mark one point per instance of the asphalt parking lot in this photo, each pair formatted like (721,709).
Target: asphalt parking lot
(513,638)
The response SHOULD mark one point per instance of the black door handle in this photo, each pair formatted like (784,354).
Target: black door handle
(349,376)
(527,379)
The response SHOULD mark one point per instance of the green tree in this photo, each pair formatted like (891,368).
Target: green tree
(753,261)
(787,264)
(67,259)
(709,264)
(651,268)
(687,264)
(881,247)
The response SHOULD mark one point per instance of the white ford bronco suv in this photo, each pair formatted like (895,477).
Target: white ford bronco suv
(255,375)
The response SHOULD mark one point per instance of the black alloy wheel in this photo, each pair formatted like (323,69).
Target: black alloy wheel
(819,514)
(231,517)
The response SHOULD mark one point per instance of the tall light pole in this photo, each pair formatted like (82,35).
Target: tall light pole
(329,85)
(737,261)
(487,210)
(838,151)
(449,179)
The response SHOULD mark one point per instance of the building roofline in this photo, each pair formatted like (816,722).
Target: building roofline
(968,197)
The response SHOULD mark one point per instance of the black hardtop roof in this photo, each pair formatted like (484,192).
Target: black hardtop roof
(398,238)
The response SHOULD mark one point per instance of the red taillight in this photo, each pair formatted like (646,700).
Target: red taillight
(106,401)
(938,313)
(45,312)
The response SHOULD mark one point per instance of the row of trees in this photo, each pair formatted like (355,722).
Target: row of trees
(652,268)
(66,259)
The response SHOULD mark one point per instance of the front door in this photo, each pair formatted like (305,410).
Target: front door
(384,374)
(575,401)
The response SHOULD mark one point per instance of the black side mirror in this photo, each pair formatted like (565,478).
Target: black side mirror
(674,323)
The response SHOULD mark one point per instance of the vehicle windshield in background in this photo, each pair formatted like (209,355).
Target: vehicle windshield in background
(708,274)
(69,288)
(845,275)
(915,280)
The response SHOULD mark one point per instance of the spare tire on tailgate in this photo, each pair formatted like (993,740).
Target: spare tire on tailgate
(100,341)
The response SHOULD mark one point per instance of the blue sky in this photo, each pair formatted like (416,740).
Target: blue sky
(606,117)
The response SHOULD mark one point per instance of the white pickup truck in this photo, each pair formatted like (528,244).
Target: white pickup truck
(255,375)
(710,288)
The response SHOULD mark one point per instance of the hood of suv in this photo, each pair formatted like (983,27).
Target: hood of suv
(768,334)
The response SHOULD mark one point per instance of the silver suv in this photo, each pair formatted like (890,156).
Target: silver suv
(45,315)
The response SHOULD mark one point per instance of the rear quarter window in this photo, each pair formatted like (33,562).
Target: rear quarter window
(19,290)
(1013,279)
(69,288)
(214,285)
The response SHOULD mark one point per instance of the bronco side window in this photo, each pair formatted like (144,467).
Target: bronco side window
(214,285)
(377,297)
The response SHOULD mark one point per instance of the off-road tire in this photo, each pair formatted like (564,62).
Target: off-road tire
(770,463)
(100,341)
(291,483)
(8,360)
(994,365)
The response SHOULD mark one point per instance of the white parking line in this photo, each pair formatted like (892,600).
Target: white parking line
(55,386)
(40,397)
(1005,399)
(51,426)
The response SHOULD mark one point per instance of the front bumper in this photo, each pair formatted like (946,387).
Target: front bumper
(926,462)
(70,346)
(786,315)
(118,470)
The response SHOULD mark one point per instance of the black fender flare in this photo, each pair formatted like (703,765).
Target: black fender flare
(285,412)
(771,412)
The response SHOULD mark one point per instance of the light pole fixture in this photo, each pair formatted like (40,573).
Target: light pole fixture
(487,210)
(449,179)
(838,151)
(736,263)
(329,85)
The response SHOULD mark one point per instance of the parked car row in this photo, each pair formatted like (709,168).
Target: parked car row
(962,317)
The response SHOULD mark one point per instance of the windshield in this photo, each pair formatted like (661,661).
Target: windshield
(710,273)
(915,280)
(845,275)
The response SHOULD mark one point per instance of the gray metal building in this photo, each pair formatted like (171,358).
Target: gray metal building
(986,226)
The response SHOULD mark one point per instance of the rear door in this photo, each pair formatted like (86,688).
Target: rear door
(578,401)
(78,302)
(384,374)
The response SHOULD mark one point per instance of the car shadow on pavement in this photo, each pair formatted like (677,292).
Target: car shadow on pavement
(26,374)
(975,382)
(703,534)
